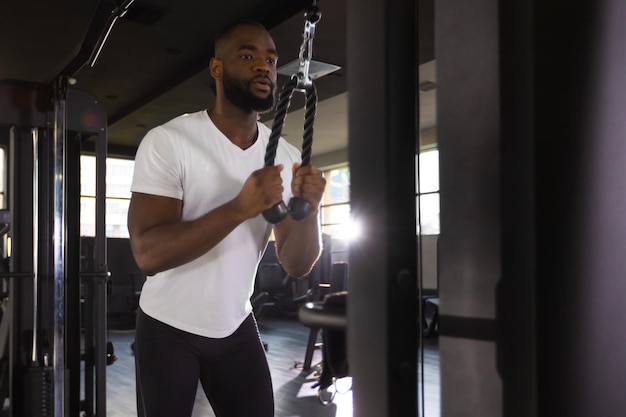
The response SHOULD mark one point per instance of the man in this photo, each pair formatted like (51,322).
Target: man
(196,230)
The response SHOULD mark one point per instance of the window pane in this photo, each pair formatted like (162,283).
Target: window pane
(345,231)
(337,186)
(335,214)
(429,212)
(335,210)
(117,212)
(88,175)
(118,177)
(428,178)
(87,216)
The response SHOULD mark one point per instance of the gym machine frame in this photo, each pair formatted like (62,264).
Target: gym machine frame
(44,206)
(38,113)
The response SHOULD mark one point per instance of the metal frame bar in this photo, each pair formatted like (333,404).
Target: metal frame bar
(59,255)
(383,305)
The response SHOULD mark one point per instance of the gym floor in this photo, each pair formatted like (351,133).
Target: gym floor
(294,395)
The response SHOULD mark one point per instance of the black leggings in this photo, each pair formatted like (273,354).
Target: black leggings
(233,371)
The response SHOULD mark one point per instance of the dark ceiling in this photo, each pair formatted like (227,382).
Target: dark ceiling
(153,65)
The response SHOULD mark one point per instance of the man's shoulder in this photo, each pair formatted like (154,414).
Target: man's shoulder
(184,120)
(173,130)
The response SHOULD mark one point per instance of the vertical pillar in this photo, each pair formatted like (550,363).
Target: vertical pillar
(517,297)
(531,129)
(466,49)
(382,305)
(59,244)
(579,102)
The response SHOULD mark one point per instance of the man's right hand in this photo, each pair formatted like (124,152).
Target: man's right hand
(261,190)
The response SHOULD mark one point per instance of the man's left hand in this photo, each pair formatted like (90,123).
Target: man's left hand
(308,183)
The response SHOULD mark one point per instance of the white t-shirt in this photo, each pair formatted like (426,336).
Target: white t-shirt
(189,159)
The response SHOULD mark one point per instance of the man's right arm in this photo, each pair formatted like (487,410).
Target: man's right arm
(160,240)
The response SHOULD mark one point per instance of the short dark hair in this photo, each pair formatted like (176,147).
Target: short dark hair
(226,30)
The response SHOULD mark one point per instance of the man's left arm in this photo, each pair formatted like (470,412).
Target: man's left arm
(299,243)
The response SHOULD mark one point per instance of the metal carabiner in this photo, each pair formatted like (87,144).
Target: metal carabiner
(312,16)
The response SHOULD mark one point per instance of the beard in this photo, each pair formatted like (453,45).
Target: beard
(238,92)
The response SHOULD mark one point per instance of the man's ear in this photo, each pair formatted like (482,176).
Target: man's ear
(215,66)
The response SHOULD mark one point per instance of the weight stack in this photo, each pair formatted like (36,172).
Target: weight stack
(38,392)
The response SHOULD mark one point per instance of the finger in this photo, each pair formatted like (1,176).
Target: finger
(306,170)
(271,173)
(274,169)
(312,188)
(306,174)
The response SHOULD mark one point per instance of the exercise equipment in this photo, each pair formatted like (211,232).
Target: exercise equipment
(45,374)
(39,376)
(298,208)
(329,315)
(6,309)
(337,282)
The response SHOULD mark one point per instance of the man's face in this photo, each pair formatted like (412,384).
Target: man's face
(248,60)
(240,93)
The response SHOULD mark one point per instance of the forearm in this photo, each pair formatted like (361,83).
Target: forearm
(167,246)
(301,246)
(161,240)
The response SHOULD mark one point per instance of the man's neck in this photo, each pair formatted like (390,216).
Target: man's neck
(238,126)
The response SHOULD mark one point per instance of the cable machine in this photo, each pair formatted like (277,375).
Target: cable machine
(53,296)
(48,296)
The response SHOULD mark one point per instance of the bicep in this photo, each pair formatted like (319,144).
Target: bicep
(147,211)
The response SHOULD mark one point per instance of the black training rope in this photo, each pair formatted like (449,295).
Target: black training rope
(309,119)
(279,121)
(298,208)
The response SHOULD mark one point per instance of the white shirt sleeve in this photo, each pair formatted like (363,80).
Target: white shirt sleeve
(158,169)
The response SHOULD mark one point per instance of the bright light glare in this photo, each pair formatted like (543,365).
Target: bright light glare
(350,230)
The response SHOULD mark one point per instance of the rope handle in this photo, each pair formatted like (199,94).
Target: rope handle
(298,208)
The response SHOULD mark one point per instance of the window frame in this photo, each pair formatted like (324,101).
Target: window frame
(419,194)
(119,229)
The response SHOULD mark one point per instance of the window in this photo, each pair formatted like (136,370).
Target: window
(427,192)
(119,174)
(335,210)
